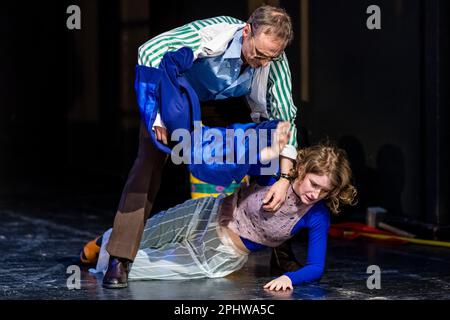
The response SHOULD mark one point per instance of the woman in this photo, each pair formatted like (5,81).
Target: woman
(212,237)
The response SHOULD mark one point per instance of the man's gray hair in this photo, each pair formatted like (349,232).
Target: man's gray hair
(274,21)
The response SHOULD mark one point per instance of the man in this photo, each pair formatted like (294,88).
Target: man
(231,59)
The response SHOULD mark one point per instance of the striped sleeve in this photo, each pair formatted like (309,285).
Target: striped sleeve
(151,52)
(280,102)
(199,24)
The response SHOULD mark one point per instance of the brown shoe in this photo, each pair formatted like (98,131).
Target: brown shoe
(283,260)
(116,276)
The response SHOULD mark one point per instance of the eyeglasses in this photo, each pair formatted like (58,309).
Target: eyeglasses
(258,55)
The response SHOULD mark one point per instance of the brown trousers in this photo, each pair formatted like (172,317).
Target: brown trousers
(137,198)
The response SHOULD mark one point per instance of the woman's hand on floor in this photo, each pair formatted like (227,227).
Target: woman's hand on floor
(280,283)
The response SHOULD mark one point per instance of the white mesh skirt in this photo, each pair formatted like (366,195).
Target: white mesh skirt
(183,242)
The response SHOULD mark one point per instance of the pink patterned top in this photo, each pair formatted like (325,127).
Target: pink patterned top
(249,220)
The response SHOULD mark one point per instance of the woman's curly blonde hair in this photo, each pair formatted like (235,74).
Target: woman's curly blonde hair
(327,159)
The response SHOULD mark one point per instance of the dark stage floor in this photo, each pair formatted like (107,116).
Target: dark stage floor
(41,234)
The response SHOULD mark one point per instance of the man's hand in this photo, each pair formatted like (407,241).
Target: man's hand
(280,283)
(161,134)
(276,196)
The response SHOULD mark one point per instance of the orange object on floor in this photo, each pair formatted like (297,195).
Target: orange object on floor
(90,252)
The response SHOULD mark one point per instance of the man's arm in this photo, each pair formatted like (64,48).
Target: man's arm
(280,102)
(281,106)
(190,35)
(276,195)
(151,52)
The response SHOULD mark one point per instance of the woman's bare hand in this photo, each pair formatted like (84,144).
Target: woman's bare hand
(280,283)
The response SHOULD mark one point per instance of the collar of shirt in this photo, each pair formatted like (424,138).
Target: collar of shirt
(234,50)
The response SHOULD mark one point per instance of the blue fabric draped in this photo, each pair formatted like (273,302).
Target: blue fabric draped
(165,89)
(245,157)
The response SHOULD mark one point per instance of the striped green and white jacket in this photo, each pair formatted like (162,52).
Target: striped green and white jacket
(271,90)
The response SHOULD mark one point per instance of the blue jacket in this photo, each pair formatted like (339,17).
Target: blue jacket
(165,88)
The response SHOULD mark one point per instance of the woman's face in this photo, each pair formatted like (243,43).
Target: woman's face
(312,188)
